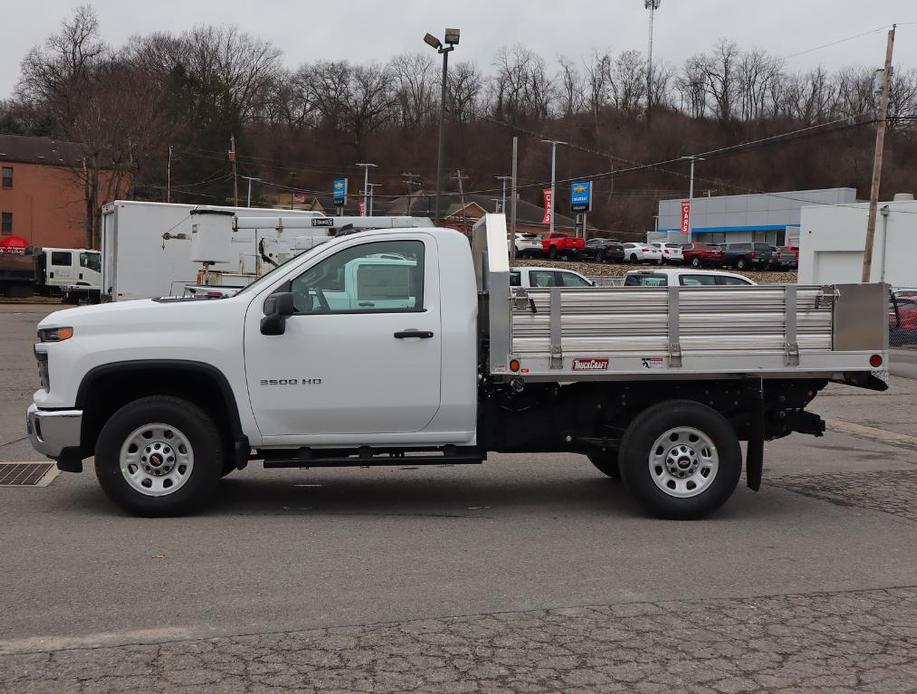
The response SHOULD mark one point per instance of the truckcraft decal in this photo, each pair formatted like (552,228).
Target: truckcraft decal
(590,364)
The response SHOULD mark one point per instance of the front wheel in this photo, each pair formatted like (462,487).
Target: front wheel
(695,261)
(633,258)
(741,263)
(600,257)
(680,459)
(159,456)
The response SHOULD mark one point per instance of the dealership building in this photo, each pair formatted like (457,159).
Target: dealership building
(772,218)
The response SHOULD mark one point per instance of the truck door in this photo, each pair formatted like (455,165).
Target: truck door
(60,269)
(362,353)
(89,272)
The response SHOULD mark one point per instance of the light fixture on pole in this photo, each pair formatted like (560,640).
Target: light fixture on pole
(692,158)
(652,6)
(452,39)
(249,179)
(553,144)
(366,167)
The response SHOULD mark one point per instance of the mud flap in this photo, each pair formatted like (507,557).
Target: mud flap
(754,455)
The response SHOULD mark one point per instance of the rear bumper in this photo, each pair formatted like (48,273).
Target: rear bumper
(53,431)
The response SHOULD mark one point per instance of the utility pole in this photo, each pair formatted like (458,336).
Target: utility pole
(514,195)
(366,167)
(235,173)
(878,157)
(458,177)
(169,176)
(409,182)
(503,179)
(250,179)
(553,144)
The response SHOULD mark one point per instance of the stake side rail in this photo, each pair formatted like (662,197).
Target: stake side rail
(836,332)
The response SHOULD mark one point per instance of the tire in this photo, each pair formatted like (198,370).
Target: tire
(606,462)
(633,258)
(741,264)
(695,261)
(552,253)
(600,257)
(178,432)
(659,470)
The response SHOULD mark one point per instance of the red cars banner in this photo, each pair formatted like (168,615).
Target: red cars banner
(685,217)
(547,206)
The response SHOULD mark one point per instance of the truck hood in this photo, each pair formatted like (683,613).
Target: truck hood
(141,315)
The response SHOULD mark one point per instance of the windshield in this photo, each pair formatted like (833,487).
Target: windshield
(269,277)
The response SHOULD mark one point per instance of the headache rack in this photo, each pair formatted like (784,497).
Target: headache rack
(839,332)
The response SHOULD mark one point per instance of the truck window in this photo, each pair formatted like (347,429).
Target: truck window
(385,276)
(61,258)
(91,261)
(697,280)
(515,278)
(542,278)
(733,281)
(646,281)
(568,279)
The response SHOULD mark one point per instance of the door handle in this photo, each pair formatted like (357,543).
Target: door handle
(422,334)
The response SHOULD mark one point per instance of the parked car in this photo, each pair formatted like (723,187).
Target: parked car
(702,254)
(671,252)
(603,250)
(642,253)
(902,318)
(528,245)
(671,277)
(546,277)
(558,245)
(743,256)
(787,256)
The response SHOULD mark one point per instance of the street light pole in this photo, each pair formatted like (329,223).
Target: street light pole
(553,144)
(366,167)
(503,179)
(452,39)
(372,191)
(249,179)
(692,158)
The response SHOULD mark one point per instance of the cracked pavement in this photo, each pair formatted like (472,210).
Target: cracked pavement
(832,642)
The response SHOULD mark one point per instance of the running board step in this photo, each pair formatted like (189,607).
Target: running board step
(370,457)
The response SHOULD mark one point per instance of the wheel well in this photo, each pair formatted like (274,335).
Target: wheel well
(106,389)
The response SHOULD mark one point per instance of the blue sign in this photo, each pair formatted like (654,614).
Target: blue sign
(339,192)
(581,196)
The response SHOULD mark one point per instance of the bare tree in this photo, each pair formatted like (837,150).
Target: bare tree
(628,81)
(756,72)
(370,102)
(465,87)
(521,87)
(598,84)
(691,85)
(720,69)
(571,90)
(415,80)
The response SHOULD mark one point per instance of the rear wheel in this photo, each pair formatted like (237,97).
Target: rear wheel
(695,261)
(606,462)
(741,263)
(680,459)
(600,257)
(159,456)
(633,258)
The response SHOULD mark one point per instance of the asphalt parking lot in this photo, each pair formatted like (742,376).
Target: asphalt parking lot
(527,574)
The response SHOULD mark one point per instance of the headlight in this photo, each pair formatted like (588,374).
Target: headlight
(42,358)
(54,334)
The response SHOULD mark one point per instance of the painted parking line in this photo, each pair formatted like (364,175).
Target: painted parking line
(874,433)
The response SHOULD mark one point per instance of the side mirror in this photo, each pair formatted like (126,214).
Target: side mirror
(276,309)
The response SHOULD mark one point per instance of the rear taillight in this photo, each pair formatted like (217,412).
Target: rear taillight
(875,361)
(751,255)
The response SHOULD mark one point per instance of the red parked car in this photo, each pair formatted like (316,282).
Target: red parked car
(557,245)
(702,254)
(902,319)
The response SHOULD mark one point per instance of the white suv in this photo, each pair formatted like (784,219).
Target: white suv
(671,252)
(670,277)
(642,253)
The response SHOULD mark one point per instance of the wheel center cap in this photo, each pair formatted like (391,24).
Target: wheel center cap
(156,460)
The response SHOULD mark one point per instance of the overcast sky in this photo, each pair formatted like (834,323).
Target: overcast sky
(366,30)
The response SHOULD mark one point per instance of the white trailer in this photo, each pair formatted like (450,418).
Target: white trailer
(833,238)
(146,247)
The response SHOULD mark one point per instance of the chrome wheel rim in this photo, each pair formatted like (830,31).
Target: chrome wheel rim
(683,462)
(156,459)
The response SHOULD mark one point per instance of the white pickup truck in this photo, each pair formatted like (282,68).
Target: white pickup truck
(410,346)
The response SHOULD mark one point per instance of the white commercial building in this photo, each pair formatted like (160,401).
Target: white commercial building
(833,238)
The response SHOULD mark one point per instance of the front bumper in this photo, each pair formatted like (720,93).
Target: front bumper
(53,431)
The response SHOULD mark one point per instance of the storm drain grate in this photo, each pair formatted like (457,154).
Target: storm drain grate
(27,474)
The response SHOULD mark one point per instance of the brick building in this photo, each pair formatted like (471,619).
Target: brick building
(41,194)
